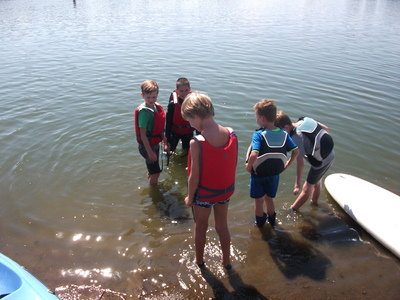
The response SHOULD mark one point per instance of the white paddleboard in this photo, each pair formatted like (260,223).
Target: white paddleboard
(374,208)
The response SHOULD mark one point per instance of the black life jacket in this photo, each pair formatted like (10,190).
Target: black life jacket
(272,156)
(322,142)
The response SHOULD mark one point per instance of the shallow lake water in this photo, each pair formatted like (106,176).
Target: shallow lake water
(76,209)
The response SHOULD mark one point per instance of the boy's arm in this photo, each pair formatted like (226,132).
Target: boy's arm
(194,177)
(169,117)
(146,144)
(252,159)
(299,173)
(324,126)
(293,156)
(165,143)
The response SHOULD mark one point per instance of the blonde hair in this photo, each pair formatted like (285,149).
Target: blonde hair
(149,86)
(266,108)
(197,104)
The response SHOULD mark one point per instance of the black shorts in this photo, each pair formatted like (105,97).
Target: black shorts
(153,167)
(184,138)
(314,175)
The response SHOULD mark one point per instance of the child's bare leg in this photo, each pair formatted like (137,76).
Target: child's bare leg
(259,206)
(316,192)
(270,205)
(200,230)
(153,178)
(271,215)
(261,217)
(221,226)
(304,195)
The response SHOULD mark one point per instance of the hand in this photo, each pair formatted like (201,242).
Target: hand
(296,190)
(167,147)
(152,156)
(188,202)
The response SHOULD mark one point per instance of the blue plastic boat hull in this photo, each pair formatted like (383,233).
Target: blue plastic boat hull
(18,283)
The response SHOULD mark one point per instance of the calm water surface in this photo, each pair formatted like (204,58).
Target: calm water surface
(75,205)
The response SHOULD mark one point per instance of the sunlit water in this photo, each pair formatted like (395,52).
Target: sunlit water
(76,208)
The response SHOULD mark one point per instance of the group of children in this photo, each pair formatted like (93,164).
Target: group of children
(213,155)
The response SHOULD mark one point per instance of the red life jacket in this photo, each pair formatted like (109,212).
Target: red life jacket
(173,96)
(179,124)
(158,127)
(217,169)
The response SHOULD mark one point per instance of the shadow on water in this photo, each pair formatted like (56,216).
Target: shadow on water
(350,231)
(328,229)
(294,258)
(241,289)
(168,201)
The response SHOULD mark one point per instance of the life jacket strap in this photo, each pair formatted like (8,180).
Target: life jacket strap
(182,126)
(215,192)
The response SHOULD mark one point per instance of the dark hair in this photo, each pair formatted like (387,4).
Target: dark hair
(182,81)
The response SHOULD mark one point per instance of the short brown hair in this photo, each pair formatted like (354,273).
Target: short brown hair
(149,86)
(182,81)
(197,104)
(266,108)
(282,119)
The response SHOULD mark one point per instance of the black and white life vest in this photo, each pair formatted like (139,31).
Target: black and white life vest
(321,141)
(272,155)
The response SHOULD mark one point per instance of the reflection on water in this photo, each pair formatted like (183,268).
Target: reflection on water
(76,208)
(72,292)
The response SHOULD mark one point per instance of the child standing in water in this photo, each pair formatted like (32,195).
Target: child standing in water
(266,160)
(176,127)
(212,164)
(149,127)
(316,146)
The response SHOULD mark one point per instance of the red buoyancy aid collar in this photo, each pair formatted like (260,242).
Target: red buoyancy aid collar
(217,169)
(179,124)
(174,96)
(158,127)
